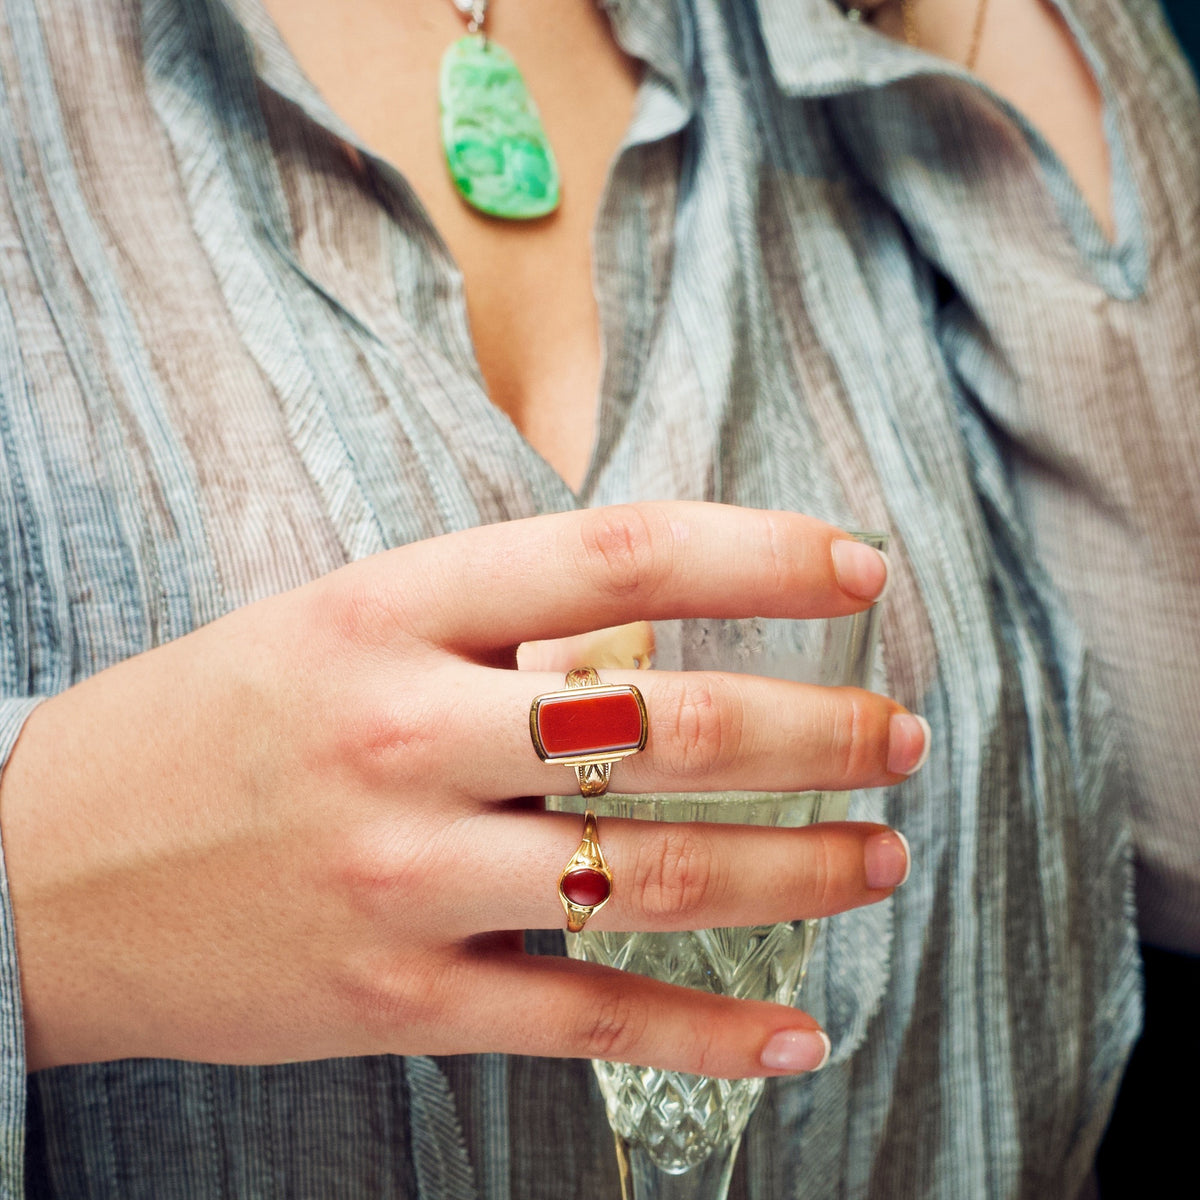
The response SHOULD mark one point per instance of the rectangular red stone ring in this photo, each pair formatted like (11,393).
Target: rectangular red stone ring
(589,726)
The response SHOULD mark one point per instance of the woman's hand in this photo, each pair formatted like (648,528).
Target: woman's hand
(304,830)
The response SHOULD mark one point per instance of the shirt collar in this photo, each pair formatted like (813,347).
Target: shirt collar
(657,33)
(815,50)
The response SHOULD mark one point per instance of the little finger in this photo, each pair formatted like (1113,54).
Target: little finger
(569,1009)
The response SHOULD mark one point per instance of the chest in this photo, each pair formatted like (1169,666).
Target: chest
(528,284)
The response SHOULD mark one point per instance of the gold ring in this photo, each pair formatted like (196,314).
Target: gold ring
(586,882)
(589,726)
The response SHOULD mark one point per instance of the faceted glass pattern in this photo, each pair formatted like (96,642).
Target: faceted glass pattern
(681,1119)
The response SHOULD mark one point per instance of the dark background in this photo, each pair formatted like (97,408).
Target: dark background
(1185,17)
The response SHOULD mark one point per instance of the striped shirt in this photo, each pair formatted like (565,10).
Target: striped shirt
(834,276)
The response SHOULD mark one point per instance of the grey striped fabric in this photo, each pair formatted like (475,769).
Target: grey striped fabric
(1082,357)
(834,277)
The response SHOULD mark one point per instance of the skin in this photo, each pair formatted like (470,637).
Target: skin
(227,849)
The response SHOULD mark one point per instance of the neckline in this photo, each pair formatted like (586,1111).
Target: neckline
(663,107)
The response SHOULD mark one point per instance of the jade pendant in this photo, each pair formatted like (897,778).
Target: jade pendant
(496,148)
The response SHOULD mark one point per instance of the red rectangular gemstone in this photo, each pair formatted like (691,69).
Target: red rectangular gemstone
(589,724)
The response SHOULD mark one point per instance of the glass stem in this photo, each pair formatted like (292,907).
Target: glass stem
(642,1180)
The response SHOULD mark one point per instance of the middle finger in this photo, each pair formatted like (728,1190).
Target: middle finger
(707,732)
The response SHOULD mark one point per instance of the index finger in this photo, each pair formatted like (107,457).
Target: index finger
(567,573)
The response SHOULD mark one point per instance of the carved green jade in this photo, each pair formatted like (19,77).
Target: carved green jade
(496,148)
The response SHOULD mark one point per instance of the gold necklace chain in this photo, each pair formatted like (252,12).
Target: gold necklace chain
(908,22)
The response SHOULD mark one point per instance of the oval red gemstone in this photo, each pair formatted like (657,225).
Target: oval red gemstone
(586,887)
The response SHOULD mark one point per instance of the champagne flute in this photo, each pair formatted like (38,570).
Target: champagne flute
(677,1135)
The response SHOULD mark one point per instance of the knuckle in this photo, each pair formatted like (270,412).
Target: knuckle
(624,549)
(352,605)
(614,1027)
(676,875)
(708,726)
(711,1055)
(854,750)
(379,866)
(392,739)
(384,1000)
(366,606)
(780,546)
(378,743)
(821,880)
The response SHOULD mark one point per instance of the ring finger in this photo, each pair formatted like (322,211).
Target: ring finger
(669,876)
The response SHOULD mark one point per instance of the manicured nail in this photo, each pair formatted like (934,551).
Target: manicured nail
(861,570)
(797,1050)
(887,858)
(908,743)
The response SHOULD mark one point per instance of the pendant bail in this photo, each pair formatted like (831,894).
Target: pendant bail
(475,11)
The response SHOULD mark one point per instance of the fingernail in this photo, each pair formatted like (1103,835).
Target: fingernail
(797,1050)
(887,859)
(908,743)
(861,570)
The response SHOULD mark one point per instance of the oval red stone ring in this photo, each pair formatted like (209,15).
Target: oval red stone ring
(586,882)
(589,726)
